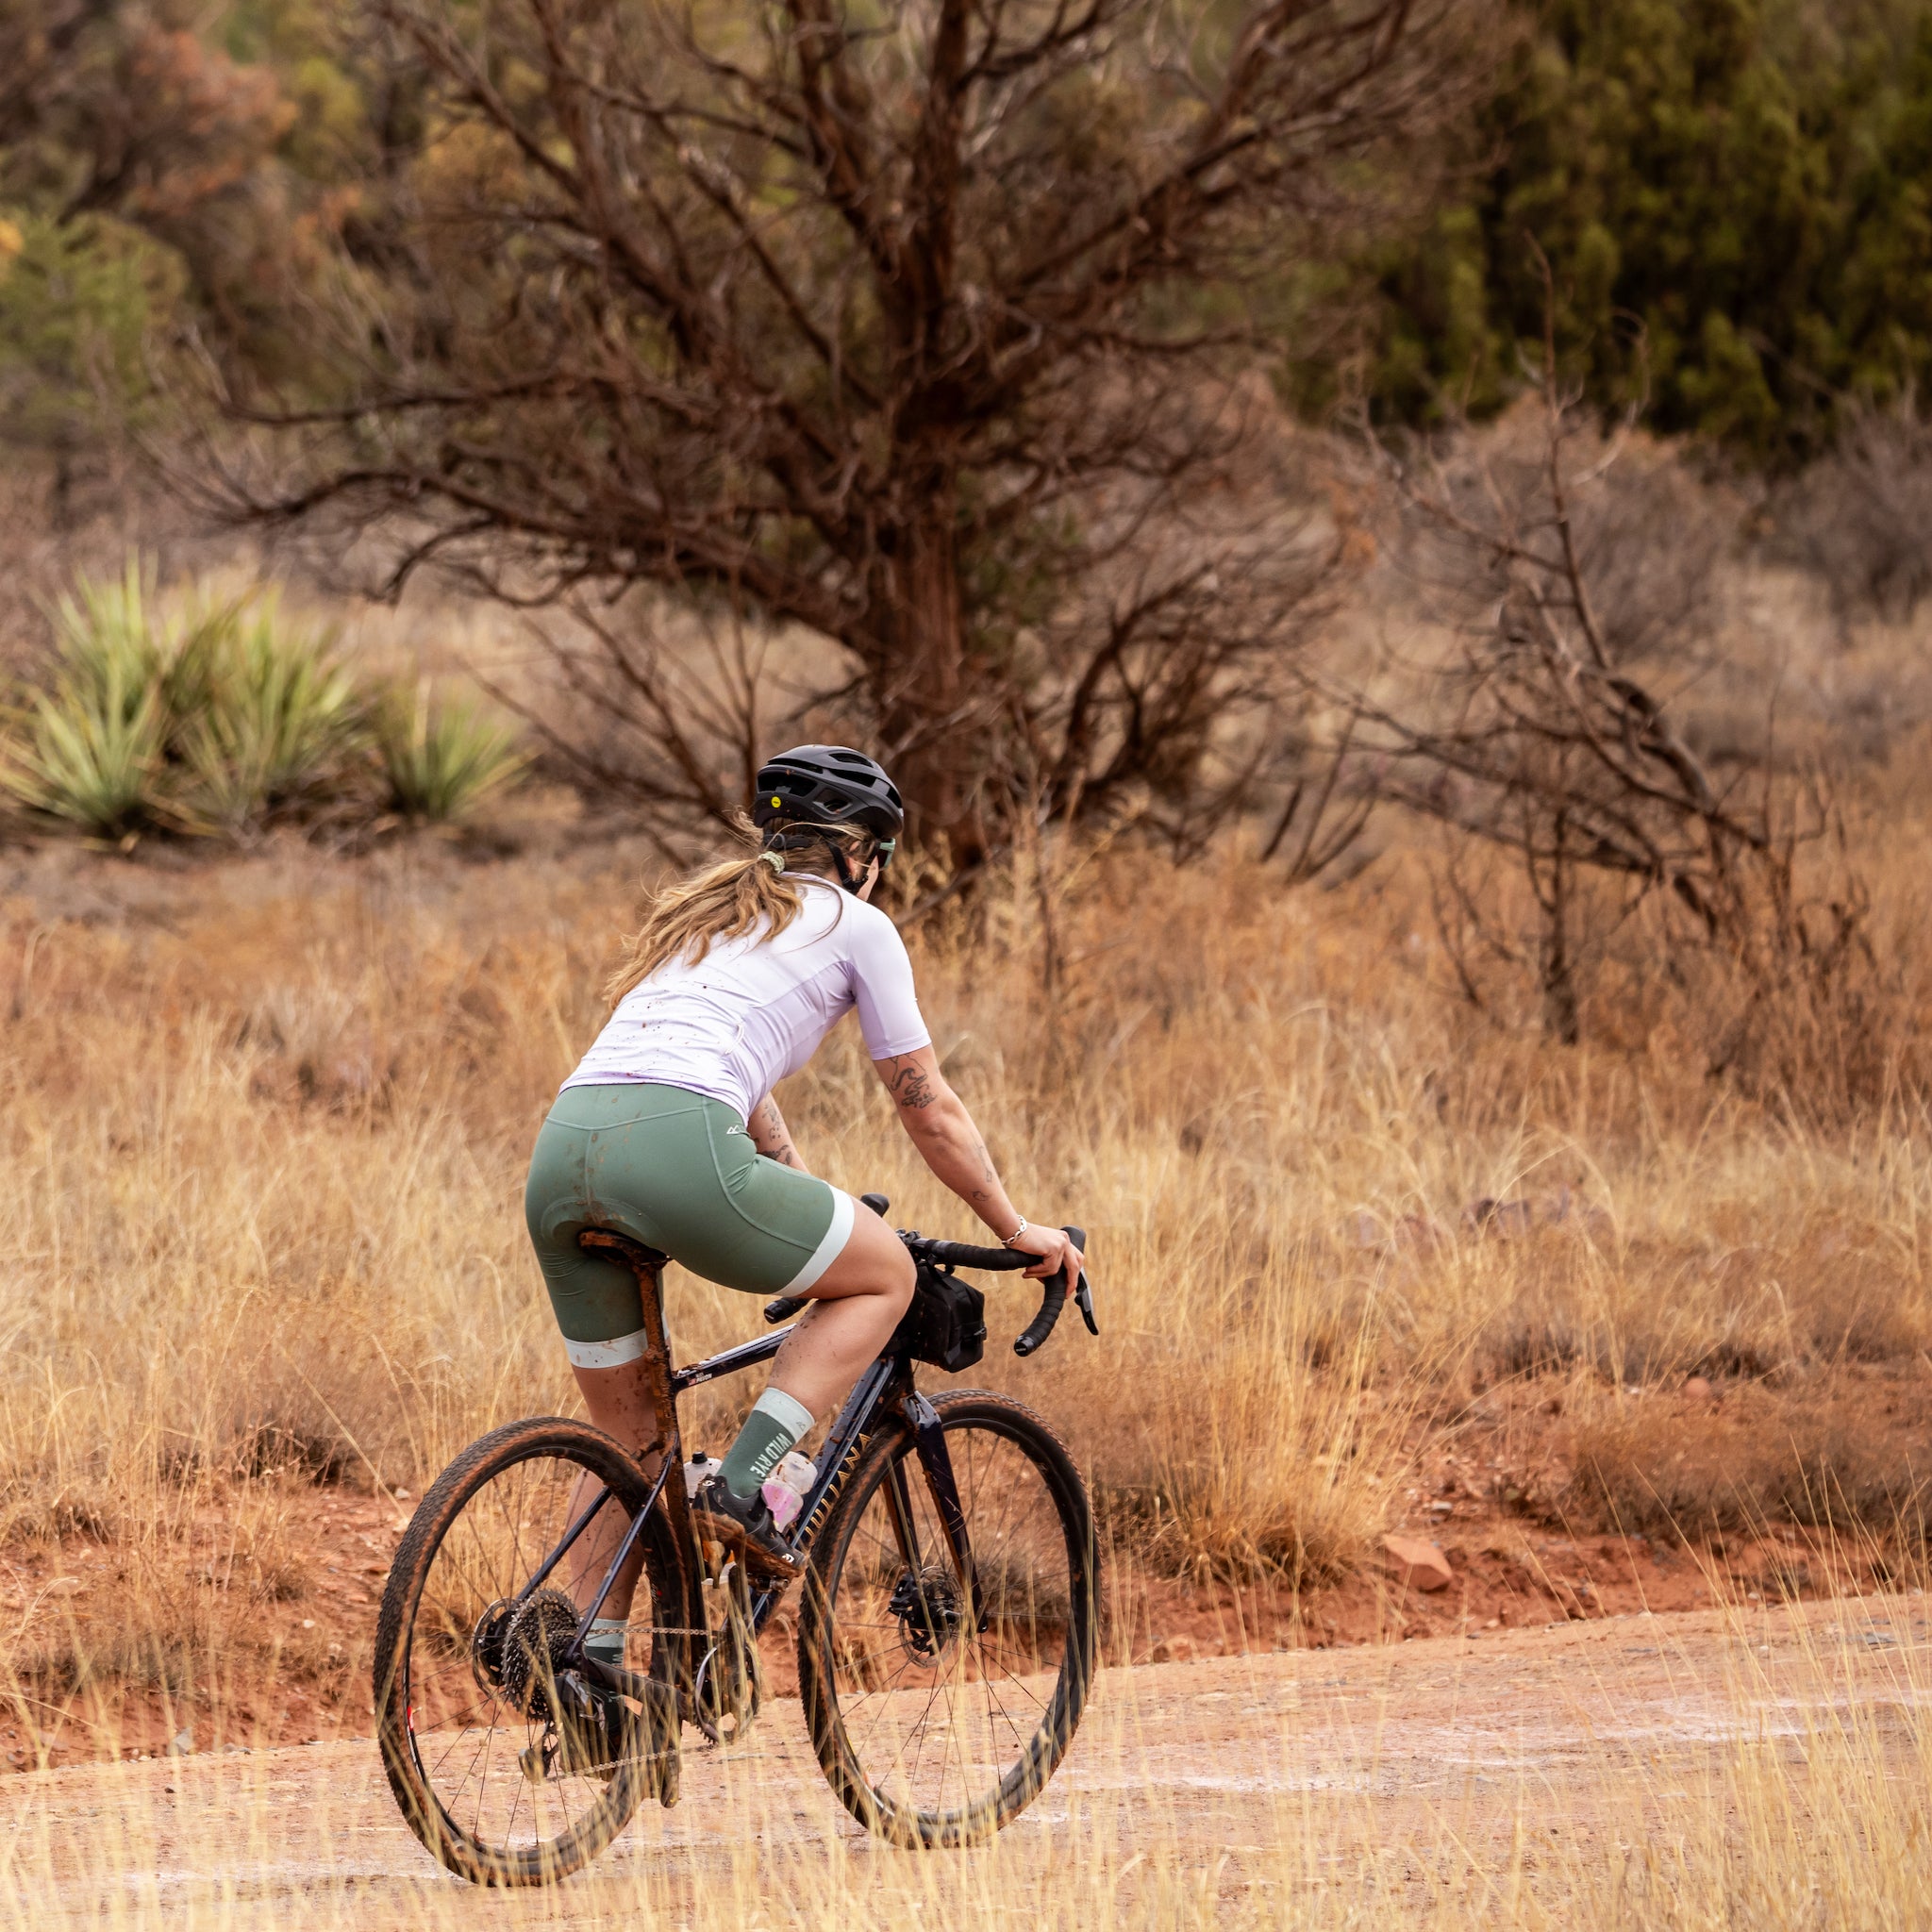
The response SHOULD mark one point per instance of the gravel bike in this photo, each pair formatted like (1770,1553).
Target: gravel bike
(946,1635)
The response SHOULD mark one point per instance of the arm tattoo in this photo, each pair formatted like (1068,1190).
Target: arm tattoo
(771,1139)
(911,1088)
(987,1173)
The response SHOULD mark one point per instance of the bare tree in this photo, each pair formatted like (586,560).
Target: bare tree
(1550,735)
(909,325)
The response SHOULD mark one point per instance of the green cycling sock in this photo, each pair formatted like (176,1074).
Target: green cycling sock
(603,1640)
(774,1426)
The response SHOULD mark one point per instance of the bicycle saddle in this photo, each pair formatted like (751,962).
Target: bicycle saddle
(611,1242)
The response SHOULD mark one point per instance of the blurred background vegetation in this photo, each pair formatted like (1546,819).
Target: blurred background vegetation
(1735,198)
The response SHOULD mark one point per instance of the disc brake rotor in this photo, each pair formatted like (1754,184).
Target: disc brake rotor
(928,1606)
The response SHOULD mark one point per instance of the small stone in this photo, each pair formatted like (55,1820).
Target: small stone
(1171,1650)
(1698,1389)
(1417,1564)
(182,1744)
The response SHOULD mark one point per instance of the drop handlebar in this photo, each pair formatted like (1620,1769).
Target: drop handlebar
(950,1255)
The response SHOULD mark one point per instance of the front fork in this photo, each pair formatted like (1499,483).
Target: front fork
(935,1464)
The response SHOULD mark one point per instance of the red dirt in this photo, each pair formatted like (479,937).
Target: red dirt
(304,1675)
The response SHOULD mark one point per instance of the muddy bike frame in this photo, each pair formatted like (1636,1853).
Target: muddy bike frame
(885,1388)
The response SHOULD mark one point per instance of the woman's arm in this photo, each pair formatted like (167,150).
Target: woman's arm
(936,1119)
(771,1136)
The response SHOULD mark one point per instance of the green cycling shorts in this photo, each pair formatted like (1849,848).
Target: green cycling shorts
(677,1172)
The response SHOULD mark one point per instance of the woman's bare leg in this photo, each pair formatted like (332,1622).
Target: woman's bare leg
(619,1402)
(857,1302)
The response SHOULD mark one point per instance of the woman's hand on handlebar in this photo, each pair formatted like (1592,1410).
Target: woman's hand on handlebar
(1053,1250)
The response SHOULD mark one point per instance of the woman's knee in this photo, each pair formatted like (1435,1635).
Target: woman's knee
(904,1279)
(873,1264)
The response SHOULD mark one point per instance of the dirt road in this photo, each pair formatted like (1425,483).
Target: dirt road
(1428,1761)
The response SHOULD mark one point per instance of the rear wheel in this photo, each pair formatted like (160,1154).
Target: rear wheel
(938,1711)
(511,1766)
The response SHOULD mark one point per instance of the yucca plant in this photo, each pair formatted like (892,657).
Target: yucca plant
(91,753)
(263,716)
(443,757)
(215,715)
(90,750)
(109,638)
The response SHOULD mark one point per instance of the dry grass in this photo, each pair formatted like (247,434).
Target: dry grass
(264,1126)
(1776,1795)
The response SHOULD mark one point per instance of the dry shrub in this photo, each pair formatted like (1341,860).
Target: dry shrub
(175,1602)
(1846,1456)
(1858,517)
(1249,1447)
(1605,860)
(1653,533)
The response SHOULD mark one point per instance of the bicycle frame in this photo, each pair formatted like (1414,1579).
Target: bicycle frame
(885,1386)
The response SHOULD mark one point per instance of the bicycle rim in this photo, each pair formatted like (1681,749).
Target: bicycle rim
(496,1771)
(934,1731)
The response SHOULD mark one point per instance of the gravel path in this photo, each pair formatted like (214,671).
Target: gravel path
(1426,1760)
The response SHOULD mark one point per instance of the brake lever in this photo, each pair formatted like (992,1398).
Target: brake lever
(1083,1300)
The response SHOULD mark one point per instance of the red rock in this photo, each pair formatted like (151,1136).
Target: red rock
(1420,1565)
(1698,1389)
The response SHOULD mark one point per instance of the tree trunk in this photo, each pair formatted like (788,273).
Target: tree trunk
(1561,1019)
(927,705)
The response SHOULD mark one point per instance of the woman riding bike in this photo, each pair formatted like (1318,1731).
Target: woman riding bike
(668,1131)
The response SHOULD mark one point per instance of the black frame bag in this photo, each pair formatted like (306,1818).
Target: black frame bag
(945,1323)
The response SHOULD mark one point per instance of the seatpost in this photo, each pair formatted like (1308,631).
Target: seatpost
(648,1266)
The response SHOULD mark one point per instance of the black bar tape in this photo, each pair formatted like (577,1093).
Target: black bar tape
(958,1255)
(1051,1303)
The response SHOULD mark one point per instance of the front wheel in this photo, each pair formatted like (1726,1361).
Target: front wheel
(939,1709)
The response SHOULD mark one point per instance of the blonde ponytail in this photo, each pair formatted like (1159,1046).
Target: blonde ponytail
(725,901)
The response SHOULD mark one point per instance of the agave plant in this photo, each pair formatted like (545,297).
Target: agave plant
(443,759)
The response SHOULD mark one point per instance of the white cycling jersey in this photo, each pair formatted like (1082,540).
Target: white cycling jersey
(754,1009)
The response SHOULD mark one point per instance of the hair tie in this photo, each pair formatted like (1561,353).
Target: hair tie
(774,860)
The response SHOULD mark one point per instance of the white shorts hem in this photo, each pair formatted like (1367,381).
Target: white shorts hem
(607,1355)
(829,1247)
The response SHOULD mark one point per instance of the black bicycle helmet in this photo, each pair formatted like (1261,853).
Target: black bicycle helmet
(828,785)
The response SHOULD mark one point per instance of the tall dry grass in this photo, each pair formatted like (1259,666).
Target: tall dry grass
(1783,1795)
(264,1126)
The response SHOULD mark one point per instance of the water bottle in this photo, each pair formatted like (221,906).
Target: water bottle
(787,1486)
(697,1472)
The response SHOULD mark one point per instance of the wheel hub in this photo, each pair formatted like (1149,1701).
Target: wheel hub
(926,1604)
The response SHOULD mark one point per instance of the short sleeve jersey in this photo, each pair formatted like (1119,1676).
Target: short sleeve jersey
(755,1009)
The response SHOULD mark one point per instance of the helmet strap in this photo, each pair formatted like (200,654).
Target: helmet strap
(799,840)
(845,877)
